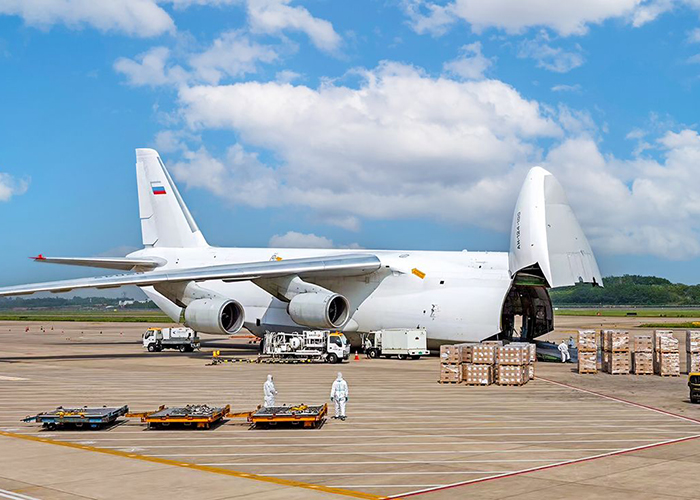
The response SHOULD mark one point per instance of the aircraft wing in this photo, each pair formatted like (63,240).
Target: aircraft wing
(120,263)
(330,266)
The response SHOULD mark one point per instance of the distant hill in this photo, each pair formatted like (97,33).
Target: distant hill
(629,290)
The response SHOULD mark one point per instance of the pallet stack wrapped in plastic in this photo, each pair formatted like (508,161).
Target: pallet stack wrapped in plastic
(587,351)
(692,350)
(477,368)
(450,364)
(512,362)
(616,352)
(666,356)
(643,355)
(532,358)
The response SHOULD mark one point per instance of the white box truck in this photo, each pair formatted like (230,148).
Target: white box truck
(183,339)
(400,342)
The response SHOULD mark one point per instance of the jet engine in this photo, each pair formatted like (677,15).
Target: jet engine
(215,315)
(319,310)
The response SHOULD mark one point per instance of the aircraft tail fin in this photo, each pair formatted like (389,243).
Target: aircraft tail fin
(165,219)
(546,239)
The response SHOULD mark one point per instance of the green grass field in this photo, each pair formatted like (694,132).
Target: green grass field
(121,316)
(637,312)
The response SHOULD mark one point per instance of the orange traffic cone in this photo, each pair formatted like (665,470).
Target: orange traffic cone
(357,357)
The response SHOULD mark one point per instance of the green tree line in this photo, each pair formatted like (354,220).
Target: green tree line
(629,290)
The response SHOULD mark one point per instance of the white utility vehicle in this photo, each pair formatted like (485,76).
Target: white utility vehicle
(157,339)
(399,342)
(316,345)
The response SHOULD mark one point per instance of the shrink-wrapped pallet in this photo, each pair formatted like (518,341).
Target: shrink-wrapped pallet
(692,340)
(531,349)
(465,352)
(450,354)
(692,360)
(531,371)
(616,363)
(587,362)
(664,341)
(643,343)
(477,374)
(643,362)
(511,374)
(616,340)
(587,340)
(450,373)
(513,355)
(668,364)
(483,354)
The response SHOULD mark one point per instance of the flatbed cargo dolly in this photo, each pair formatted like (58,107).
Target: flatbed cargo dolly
(93,418)
(309,416)
(198,416)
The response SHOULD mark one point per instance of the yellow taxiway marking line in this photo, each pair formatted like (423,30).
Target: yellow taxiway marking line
(205,468)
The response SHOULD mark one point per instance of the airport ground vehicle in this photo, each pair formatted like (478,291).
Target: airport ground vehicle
(318,345)
(183,339)
(694,385)
(399,342)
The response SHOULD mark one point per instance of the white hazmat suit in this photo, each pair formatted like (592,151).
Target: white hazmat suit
(564,350)
(269,391)
(339,395)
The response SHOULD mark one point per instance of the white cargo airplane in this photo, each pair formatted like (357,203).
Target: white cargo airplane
(455,296)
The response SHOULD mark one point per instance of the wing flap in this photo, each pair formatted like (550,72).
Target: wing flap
(331,266)
(119,263)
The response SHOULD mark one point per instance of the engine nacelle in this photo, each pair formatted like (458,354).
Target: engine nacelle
(215,315)
(319,310)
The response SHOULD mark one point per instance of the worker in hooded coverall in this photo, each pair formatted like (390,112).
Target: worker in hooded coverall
(339,395)
(269,391)
(564,350)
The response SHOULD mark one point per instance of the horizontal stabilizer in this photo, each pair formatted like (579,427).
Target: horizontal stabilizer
(326,267)
(119,263)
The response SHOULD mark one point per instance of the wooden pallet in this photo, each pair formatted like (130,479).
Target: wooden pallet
(512,385)
(669,374)
(476,384)
(449,382)
(587,372)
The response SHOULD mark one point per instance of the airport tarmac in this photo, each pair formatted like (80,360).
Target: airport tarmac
(562,435)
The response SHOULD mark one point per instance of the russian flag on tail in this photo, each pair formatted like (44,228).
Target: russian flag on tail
(158,188)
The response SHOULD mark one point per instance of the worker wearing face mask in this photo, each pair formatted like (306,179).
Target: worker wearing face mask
(269,391)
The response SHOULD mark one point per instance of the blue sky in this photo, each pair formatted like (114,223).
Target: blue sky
(380,124)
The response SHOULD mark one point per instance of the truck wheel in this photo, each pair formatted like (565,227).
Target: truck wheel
(373,353)
(401,356)
(151,348)
(332,358)
(183,348)
(415,357)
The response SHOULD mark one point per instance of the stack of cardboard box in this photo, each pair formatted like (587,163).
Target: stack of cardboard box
(692,350)
(666,356)
(450,364)
(478,360)
(616,352)
(643,355)
(512,364)
(587,351)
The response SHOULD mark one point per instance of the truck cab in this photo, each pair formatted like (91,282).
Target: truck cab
(338,347)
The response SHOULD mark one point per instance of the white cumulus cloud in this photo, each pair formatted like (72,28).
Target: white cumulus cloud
(471,63)
(294,239)
(151,68)
(11,186)
(549,57)
(278,16)
(140,18)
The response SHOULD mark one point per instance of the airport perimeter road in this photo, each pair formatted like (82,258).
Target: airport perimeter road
(561,436)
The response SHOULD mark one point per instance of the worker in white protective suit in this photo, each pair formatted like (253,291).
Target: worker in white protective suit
(564,350)
(269,391)
(339,395)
